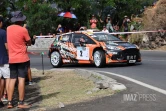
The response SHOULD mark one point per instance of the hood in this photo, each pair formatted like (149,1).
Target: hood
(121,43)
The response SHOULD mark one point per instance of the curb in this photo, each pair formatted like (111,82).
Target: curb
(101,81)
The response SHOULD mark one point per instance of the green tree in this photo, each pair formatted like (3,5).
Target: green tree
(41,17)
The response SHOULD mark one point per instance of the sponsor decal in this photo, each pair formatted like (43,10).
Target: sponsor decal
(67,54)
(65,60)
(64,46)
(83,53)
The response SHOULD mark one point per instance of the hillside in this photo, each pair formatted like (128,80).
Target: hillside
(153,19)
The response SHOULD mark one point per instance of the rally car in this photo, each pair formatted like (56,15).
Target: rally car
(99,48)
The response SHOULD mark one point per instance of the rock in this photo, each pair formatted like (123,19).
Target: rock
(118,86)
(95,89)
(61,105)
(145,38)
(152,45)
(89,92)
(102,84)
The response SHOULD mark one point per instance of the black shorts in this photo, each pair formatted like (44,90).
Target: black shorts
(18,70)
(28,63)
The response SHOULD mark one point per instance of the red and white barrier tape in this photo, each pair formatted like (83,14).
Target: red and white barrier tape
(137,32)
(50,36)
(134,32)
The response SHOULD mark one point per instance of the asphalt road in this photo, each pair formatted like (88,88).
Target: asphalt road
(152,70)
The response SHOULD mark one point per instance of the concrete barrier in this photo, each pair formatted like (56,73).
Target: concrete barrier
(42,44)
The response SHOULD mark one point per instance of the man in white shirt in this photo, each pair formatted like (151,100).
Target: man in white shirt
(105,29)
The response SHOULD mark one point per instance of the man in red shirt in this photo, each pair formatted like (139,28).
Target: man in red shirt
(18,39)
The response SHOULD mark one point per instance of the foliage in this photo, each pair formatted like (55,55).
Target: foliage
(136,39)
(41,17)
(3,5)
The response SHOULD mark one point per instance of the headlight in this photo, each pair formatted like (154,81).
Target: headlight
(112,47)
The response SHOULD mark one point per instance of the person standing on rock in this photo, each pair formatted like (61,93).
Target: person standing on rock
(18,39)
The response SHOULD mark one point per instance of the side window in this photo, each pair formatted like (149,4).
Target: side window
(65,38)
(87,39)
(76,38)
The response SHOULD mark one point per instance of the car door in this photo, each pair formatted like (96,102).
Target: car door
(83,51)
(65,49)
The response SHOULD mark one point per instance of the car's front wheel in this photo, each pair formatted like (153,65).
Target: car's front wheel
(99,58)
(56,59)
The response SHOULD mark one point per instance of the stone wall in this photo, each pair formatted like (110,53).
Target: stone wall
(42,44)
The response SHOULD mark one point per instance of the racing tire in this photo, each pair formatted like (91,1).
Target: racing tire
(99,58)
(56,59)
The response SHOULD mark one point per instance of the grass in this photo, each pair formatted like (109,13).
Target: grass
(66,87)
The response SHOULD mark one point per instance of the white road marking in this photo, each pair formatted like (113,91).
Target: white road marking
(137,82)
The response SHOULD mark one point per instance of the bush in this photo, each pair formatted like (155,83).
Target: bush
(136,39)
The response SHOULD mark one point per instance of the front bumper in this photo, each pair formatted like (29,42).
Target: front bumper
(124,56)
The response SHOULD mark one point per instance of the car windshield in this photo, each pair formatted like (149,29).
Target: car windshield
(104,37)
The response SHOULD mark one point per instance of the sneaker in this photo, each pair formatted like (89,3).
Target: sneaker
(31,83)
(4,98)
(1,104)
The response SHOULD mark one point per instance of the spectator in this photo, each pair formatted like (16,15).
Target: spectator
(116,29)
(125,26)
(41,34)
(93,22)
(18,39)
(105,29)
(60,29)
(83,28)
(53,35)
(29,69)
(4,67)
(109,23)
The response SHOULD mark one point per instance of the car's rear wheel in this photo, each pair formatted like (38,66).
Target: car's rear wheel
(99,58)
(56,59)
